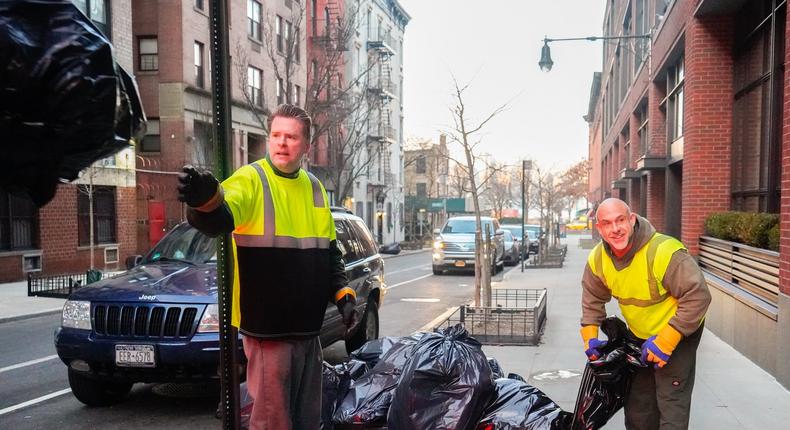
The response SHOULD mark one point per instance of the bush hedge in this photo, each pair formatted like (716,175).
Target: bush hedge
(760,230)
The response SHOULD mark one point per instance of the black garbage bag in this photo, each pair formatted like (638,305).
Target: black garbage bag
(64,102)
(446,384)
(373,350)
(496,369)
(607,381)
(520,406)
(368,398)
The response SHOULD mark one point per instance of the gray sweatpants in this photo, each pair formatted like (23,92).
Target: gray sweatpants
(661,398)
(284,380)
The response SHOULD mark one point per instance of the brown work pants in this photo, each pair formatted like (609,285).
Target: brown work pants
(284,381)
(661,398)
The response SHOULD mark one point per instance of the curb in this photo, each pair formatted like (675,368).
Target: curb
(31,315)
(436,321)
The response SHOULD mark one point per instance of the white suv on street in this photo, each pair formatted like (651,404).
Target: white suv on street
(454,244)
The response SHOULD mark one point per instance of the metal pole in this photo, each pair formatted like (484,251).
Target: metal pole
(524,234)
(220,80)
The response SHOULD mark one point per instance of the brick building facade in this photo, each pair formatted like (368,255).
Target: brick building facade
(691,121)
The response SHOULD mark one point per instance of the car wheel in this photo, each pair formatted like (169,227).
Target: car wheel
(437,270)
(368,328)
(94,392)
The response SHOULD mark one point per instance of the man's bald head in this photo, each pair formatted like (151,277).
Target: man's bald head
(615,223)
(613,203)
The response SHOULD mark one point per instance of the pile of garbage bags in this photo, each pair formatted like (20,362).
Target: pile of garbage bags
(64,101)
(443,380)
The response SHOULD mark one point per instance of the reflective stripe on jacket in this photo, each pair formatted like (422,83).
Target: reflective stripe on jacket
(283,229)
(643,300)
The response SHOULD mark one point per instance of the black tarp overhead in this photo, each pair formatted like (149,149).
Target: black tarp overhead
(64,101)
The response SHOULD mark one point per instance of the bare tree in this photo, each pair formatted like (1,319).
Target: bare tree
(574,184)
(465,132)
(458,180)
(500,188)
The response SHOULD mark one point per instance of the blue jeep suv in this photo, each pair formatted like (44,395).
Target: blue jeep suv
(158,321)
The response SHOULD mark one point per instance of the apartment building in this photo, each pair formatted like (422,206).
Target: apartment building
(691,120)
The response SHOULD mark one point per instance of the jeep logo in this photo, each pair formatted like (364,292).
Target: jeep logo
(147,297)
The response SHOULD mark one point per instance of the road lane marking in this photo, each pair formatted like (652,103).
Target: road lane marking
(407,270)
(389,287)
(27,363)
(34,401)
(438,320)
(420,300)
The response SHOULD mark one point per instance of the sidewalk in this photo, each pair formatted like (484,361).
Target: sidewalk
(730,391)
(15,304)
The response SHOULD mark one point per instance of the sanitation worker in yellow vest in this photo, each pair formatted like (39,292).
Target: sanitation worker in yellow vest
(663,296)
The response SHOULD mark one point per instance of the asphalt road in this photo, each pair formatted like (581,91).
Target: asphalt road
(34,389)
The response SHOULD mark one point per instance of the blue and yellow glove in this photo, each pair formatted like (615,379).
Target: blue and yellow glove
(592,345)
(657,349)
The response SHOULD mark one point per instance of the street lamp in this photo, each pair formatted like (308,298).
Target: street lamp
(546,63)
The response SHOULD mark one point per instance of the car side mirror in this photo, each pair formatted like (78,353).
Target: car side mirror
(500,232)
(133,260)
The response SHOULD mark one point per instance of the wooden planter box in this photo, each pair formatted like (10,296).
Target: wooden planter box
(752,269)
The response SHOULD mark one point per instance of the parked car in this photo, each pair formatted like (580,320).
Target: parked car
(512,248)
(159,321)
(532,237)
(454,244)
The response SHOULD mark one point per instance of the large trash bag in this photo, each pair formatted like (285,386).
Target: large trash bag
(64,102)
(334,381)
(372,350)
(368,398)
(520,406)
(496,368)
(446,384)
(607,381)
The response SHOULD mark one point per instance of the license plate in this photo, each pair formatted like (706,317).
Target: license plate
(135,355)
(460,263)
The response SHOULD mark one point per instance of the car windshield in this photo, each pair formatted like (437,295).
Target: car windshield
(515,230)
(508,236)
(460,226)
(184,243)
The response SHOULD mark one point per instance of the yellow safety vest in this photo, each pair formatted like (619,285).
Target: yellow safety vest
(638,288)
(273,213)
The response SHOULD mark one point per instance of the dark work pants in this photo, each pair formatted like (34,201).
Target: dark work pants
(284,380)
(661,398)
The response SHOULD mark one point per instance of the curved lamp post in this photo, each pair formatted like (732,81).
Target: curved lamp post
(546,63)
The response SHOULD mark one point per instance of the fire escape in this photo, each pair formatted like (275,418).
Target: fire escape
(381,134)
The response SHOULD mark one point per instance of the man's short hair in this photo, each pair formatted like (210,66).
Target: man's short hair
(297,113)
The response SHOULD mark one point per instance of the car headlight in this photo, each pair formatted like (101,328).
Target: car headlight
(438,244)
(76,314)
(210,320)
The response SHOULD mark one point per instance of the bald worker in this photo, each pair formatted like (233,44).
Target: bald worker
(663,297)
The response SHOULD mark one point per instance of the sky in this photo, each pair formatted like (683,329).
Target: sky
(494,46)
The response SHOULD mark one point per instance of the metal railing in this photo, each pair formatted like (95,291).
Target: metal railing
(61,286)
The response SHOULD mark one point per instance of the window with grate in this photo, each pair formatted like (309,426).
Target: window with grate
(103,215)
(18,223)
(757,107)
(148,53)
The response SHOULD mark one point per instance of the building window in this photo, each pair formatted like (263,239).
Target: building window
(18,223)
(757,107)
(97,11)
(297,46)
(103,215)
(641,27)
(644,143)
(254,19)
(151,141)
(422,190)
(148,49)
(278,31)
(254,78)
(280,91)
(419,165)
(199,81)
(297,95)
(314,12)
(674,107)
(199,4)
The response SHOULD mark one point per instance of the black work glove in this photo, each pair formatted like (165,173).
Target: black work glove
(196,187)
(347,308)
